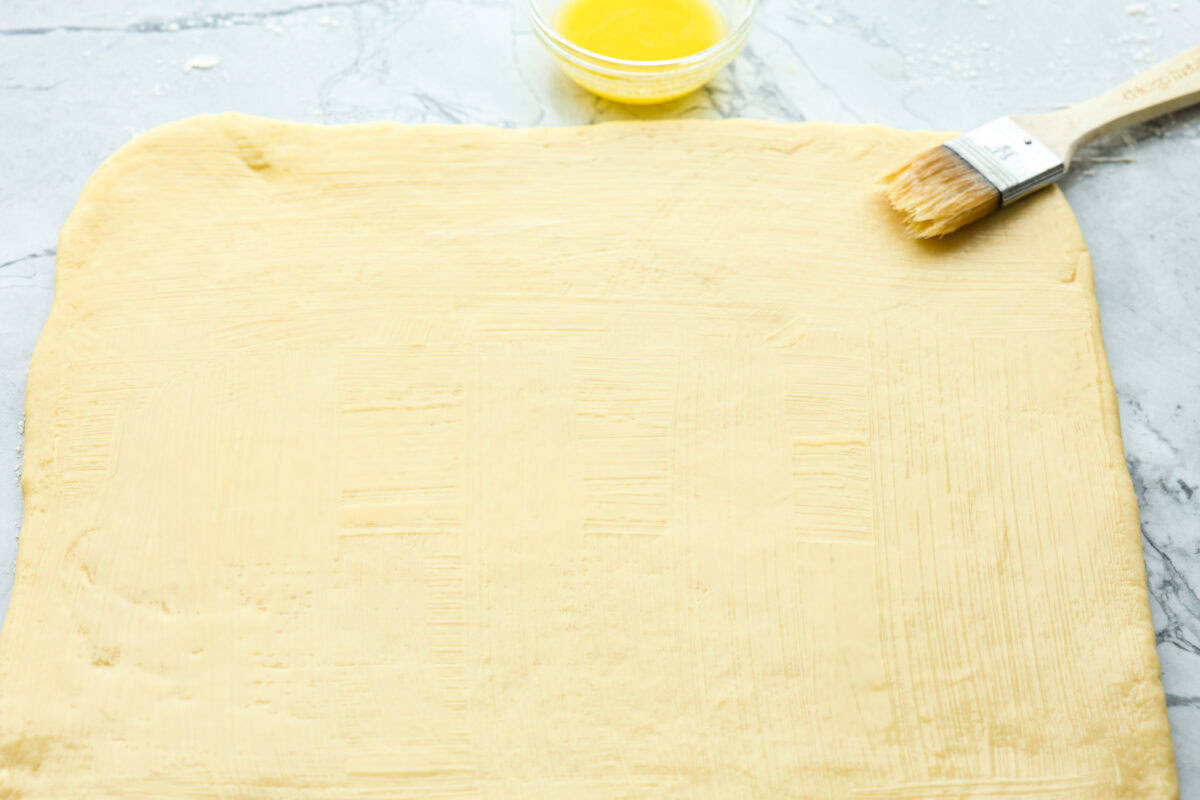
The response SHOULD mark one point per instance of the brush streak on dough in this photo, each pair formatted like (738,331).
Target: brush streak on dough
(642,460)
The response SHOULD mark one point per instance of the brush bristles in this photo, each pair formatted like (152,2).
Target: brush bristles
(938,192)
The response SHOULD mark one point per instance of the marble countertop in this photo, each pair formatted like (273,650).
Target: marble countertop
(78,79)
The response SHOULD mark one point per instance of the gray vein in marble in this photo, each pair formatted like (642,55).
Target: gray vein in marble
(442,110)
(28,257)
(791,48)
(525,80)
(325,92)
(1151,429)
(195,22)
(519,34)
(867,31)
(1176,597)
(31,87)
(731,98)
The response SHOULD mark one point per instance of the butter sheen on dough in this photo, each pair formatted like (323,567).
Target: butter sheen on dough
(644,460)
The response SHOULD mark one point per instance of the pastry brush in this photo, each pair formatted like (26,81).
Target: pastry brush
(995,165)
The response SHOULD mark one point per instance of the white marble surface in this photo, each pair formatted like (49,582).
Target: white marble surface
(78,78)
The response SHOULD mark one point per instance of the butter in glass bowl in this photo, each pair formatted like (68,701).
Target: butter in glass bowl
(642,51)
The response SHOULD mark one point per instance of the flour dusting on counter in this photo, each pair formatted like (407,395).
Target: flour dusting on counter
(201,63)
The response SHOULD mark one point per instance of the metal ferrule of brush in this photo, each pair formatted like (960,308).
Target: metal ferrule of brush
(1009,157)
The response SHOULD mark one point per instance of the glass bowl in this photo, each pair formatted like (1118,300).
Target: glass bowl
(643,82)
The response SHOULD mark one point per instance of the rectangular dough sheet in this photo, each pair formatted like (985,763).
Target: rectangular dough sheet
(630,461)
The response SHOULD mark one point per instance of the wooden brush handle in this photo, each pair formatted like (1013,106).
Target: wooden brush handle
(1170,86)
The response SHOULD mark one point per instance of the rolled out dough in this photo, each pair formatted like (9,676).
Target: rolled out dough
(632,461)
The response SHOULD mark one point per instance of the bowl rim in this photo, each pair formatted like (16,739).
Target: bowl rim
(735,36)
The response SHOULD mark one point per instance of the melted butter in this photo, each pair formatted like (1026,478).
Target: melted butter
(641,30)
